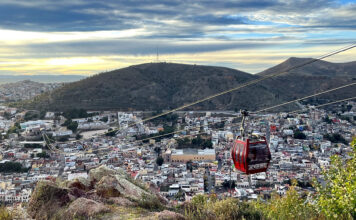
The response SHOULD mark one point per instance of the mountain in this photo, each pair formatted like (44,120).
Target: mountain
(157,86)
(317,68)
(162,86)
(40,78)
(312,78)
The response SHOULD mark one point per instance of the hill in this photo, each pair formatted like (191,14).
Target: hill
(312,78)
(157,86)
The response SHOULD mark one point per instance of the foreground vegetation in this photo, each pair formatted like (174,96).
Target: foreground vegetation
(335,200)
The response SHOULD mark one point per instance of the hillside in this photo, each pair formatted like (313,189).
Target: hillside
(157,86)
(312,78)
(26,89)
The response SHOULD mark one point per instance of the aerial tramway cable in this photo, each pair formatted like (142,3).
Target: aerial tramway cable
(264,109)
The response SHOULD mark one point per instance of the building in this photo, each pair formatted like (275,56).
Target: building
(191,154)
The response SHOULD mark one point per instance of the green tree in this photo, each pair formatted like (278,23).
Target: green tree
(290,206)
(71,125)
(42,155)
(299,135)
(159,160)
(337,199)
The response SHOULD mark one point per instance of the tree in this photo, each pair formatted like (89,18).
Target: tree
(183,142)
(290,206)
(157,150)
(227,184)
(12,167)
(159,160)
(104,119)
(337,199)
(78,136)
(335,138)
(7,115)
(42,155)
(299,135)
(111,132)
(71,125)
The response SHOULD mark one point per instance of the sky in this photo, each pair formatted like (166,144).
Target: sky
(87,37)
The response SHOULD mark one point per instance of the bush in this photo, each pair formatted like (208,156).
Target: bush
(335,138)
(209,207)
(299,135)
(337,199)
(159,160)
(5,214)
(150,202)
(290,206)
(12,167)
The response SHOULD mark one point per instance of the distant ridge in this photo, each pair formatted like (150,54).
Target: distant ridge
(163,86)
(40,78)
(315,77)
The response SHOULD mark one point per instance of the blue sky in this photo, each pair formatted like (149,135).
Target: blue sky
(86,36)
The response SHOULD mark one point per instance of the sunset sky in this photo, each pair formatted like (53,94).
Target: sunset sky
(86,37)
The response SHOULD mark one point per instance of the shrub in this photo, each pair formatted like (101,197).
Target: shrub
(290,206)
(337,199)
(209,207)
(5,214)
(150,202)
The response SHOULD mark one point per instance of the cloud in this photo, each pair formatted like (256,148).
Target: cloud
(76,31)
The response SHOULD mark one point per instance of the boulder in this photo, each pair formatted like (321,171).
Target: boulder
(79,183)
(169,215)
(117,185)
(107,187)
(86,208)
(96,174)
(120,201)
(129,189)
(47,199)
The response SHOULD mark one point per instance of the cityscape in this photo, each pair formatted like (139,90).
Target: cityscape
(177,110)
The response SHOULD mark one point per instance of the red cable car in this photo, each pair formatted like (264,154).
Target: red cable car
(250,155)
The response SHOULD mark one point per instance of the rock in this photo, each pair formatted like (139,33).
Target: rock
(79,183)
(47,199)
(162,199)
(86,208)
(117,185)
(128,189)
(97,173)
(168,215)
(120,201)
(107,187)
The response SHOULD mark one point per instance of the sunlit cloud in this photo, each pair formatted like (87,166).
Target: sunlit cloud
(87,37)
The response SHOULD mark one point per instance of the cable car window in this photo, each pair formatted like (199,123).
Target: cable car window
(240,152)
(258,156)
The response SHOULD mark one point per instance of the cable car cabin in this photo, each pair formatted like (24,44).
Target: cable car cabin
(252,155)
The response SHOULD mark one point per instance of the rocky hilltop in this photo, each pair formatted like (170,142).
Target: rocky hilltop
(106,194)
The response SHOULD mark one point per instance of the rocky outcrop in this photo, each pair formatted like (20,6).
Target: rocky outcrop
(86,208)
(47,199)
(96,174)
(107,194)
